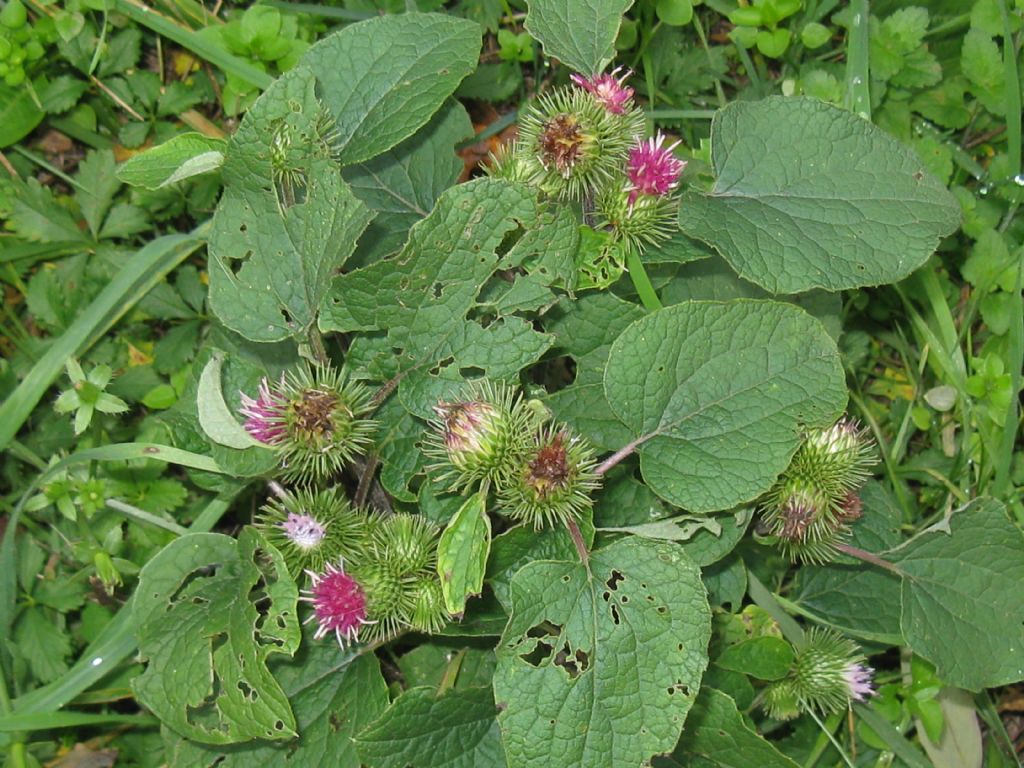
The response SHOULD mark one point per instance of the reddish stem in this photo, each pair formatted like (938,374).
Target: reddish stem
(868,557)
(577,539)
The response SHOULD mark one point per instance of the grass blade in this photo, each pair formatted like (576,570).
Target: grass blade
(48,720)
(1015,336)
(902,748)
(858,54)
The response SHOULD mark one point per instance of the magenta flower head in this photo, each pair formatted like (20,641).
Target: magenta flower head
(264,415)
(652,169)
(858,681)
(339,604)
(608,89)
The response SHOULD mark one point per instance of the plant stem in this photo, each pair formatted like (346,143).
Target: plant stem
(868,557)
(17,751)
(148,518)
(642,282)
(620,454)
(577,539)
(832,738)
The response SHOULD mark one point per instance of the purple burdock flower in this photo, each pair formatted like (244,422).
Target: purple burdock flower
(858,681)
(339,604)
(303,531)
(652,169)
(264,415)
(607,89)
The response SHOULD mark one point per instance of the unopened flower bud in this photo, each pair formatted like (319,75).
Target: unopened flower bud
(837,459)
(479,438)
(428,613)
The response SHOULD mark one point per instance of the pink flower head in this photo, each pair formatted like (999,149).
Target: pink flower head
(264,416)
(858,681)
(304,531)
(652,169)
(339,604)
(607,89)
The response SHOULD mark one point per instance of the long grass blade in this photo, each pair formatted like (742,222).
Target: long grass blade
(1015,335)
(50,720)
(858,50)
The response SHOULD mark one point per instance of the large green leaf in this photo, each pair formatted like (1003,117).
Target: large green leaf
(404,183)
(599,667)
(716,394)
(712,279)
(718,736)
(383,78)
(809,196)
(579,34)
(272,257)
(958,610)
(455,729)
(334,695)
(206,643)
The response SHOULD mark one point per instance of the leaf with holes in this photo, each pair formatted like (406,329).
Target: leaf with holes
(286,221)
(425,299)
(603,664)
(716,395)
(957,612)
(807,195)
(430,729)
(207,644)
(580,35)
(334,695)
(431,314)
